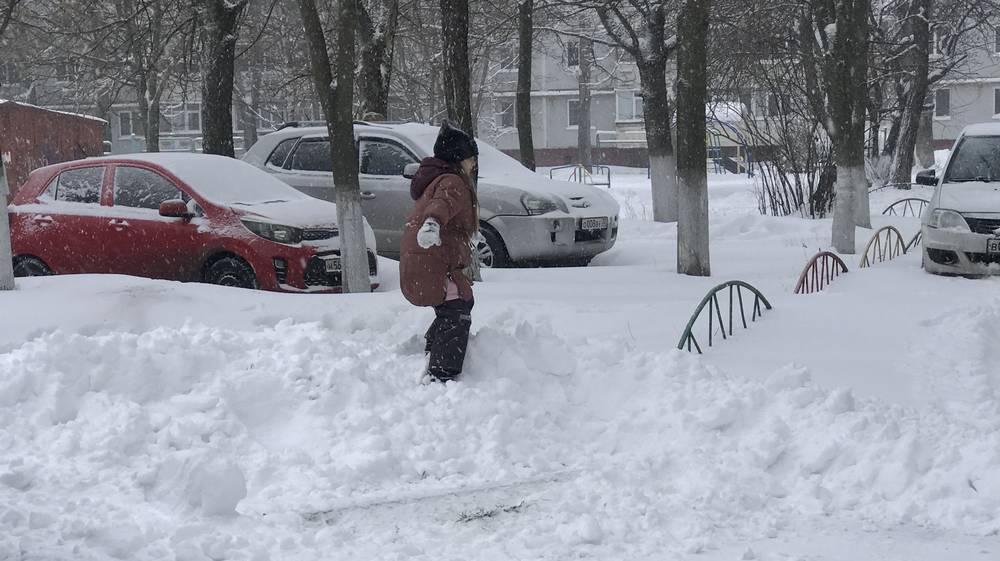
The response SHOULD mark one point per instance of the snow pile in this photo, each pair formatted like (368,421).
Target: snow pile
(142,445)
(152,420)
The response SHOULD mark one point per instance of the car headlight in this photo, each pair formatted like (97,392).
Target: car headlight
(944,219)
(274,232)
(535,204)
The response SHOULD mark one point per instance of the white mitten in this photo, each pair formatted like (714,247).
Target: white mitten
(429,234)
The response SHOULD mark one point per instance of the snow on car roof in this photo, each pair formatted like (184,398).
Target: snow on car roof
(218,178)
(982,129)
(492,162)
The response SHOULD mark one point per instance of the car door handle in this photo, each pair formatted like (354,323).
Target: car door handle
(41,219)
(118,224)
(367,195)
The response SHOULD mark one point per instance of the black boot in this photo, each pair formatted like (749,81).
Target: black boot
(448,338)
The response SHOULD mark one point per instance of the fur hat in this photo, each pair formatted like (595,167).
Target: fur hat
(453,145)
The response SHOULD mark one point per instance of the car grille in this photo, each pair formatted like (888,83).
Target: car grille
(316,275)
(314,234)
(983,225)
(983,258)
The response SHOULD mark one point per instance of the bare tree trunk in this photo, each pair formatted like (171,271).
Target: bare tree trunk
(455,53)
(377,41)
(253,111)
(925,139)
(836,71)
(142,99)
(221,27)
(662,164)
(6,255)
(918,63)
(525,141)
(692,173)
(892,137)
(583,146)
(152,118)
(336,95)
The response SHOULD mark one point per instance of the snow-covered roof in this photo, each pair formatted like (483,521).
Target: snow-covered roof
(724,111)
(982,129)
(30,106)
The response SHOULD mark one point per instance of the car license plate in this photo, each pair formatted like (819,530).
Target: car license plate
(332,264)
(594,223)
(993,246)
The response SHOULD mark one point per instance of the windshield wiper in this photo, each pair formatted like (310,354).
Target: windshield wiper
(981,179)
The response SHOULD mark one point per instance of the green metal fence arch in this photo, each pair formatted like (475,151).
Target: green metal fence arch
(711,301)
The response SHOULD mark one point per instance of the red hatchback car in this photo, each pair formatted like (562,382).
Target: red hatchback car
(185,217)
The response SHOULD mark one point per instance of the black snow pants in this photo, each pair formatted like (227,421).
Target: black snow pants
(448,338)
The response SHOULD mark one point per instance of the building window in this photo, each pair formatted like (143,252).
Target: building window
(938,43)
(125,127)
(942,103)
(66,70)
(996,102)
(572,54)
(9,73)
(508,56)
(746,102)
(573,112)
(996,42)
(183,117)
(777,105)
(505,114)
(629,106)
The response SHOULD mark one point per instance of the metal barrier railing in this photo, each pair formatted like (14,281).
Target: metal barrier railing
(819,272)
(914,205)
(711,300)
(887,243)
(580,174)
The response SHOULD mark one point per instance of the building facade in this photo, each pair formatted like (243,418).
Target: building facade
(616,106)
(972,96)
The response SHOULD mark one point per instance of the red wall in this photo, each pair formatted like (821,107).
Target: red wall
(36,137)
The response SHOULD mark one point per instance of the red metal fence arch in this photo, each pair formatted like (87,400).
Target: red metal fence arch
(886,243)
(819,272)
(911,206)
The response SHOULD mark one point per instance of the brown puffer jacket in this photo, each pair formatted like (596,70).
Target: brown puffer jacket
(440,193)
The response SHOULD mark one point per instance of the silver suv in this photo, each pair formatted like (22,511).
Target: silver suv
(525,218)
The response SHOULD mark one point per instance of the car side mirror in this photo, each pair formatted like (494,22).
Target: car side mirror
(927,177)
(410,171)
(175,208)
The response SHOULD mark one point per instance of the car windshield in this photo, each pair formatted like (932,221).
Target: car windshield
(492,162)
(977,158)
(225,180)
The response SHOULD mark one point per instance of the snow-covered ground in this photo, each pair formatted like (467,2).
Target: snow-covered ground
(154,420)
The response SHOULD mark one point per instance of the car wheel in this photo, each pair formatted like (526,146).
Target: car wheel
(30,267)
(491,251)
(231,271)
(578,262)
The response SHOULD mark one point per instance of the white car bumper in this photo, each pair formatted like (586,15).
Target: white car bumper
(554,236)
(958,253)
